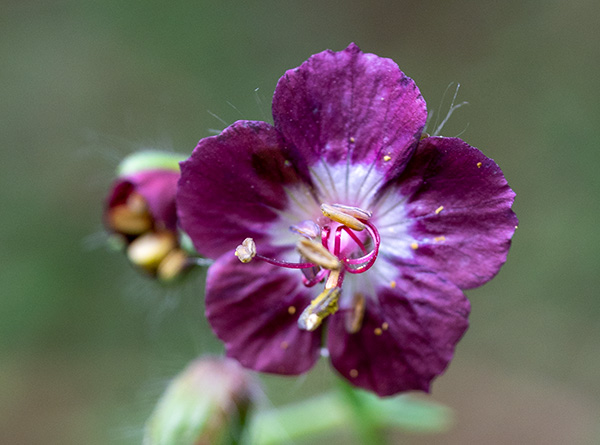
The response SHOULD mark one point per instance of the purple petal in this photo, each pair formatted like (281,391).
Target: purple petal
(157,187)
(350,106)
(233,185)
(461,204)
(253,308)
(407,337)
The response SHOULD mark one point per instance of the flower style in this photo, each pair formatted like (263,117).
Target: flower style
(351,219)
(140,211)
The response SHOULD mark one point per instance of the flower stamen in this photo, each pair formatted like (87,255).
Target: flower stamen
(320,260)
(346,215)
(318,254)
(246,251)
(354,317)
(325,304)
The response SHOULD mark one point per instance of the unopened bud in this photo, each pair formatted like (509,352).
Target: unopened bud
(148,250)
(172,265)
(141,213)
(207,404)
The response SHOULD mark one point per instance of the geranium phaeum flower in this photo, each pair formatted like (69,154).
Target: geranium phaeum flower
(350,220)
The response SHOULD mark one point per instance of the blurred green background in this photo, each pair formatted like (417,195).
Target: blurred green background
(87,346)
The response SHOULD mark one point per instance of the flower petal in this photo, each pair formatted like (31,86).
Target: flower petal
(157,187)
(352,107)
(407,338)
(461,206)
(232,186)
(254,309)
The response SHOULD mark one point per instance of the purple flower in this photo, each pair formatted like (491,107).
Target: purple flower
(140,211)
(351,220)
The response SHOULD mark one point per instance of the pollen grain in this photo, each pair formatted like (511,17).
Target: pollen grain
(439,210)
(387,158)
(291,310)
(393,284)
(414,246)
(385,325)
(378,331)
(353,373)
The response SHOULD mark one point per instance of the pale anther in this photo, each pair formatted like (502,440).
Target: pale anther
(308,229)
(346,215)
(246,251)
(325,304)
(354,317)
(357,212)
(316,253)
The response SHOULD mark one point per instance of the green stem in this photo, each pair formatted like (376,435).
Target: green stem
(365,425)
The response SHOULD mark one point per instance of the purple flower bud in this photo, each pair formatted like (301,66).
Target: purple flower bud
(141,212)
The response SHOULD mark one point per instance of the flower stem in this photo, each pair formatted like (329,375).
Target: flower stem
(365,425)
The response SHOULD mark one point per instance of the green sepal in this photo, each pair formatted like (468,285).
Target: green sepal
(149,160)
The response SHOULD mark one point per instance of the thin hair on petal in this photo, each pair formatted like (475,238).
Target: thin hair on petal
(453,107)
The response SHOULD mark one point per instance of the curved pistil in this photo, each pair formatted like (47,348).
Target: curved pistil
(331,262)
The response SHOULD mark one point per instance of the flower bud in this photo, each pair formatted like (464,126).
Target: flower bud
(141,212)
(207,403)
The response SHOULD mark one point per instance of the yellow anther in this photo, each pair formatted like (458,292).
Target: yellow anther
(439,210)
(318,254)
(353,373)
(438,239)
(357,212)
(378,331)
(387,158)
(324,305)
(246,251)
(354,317)
(346,215)
(414,245)
(479,165)
(341,217)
